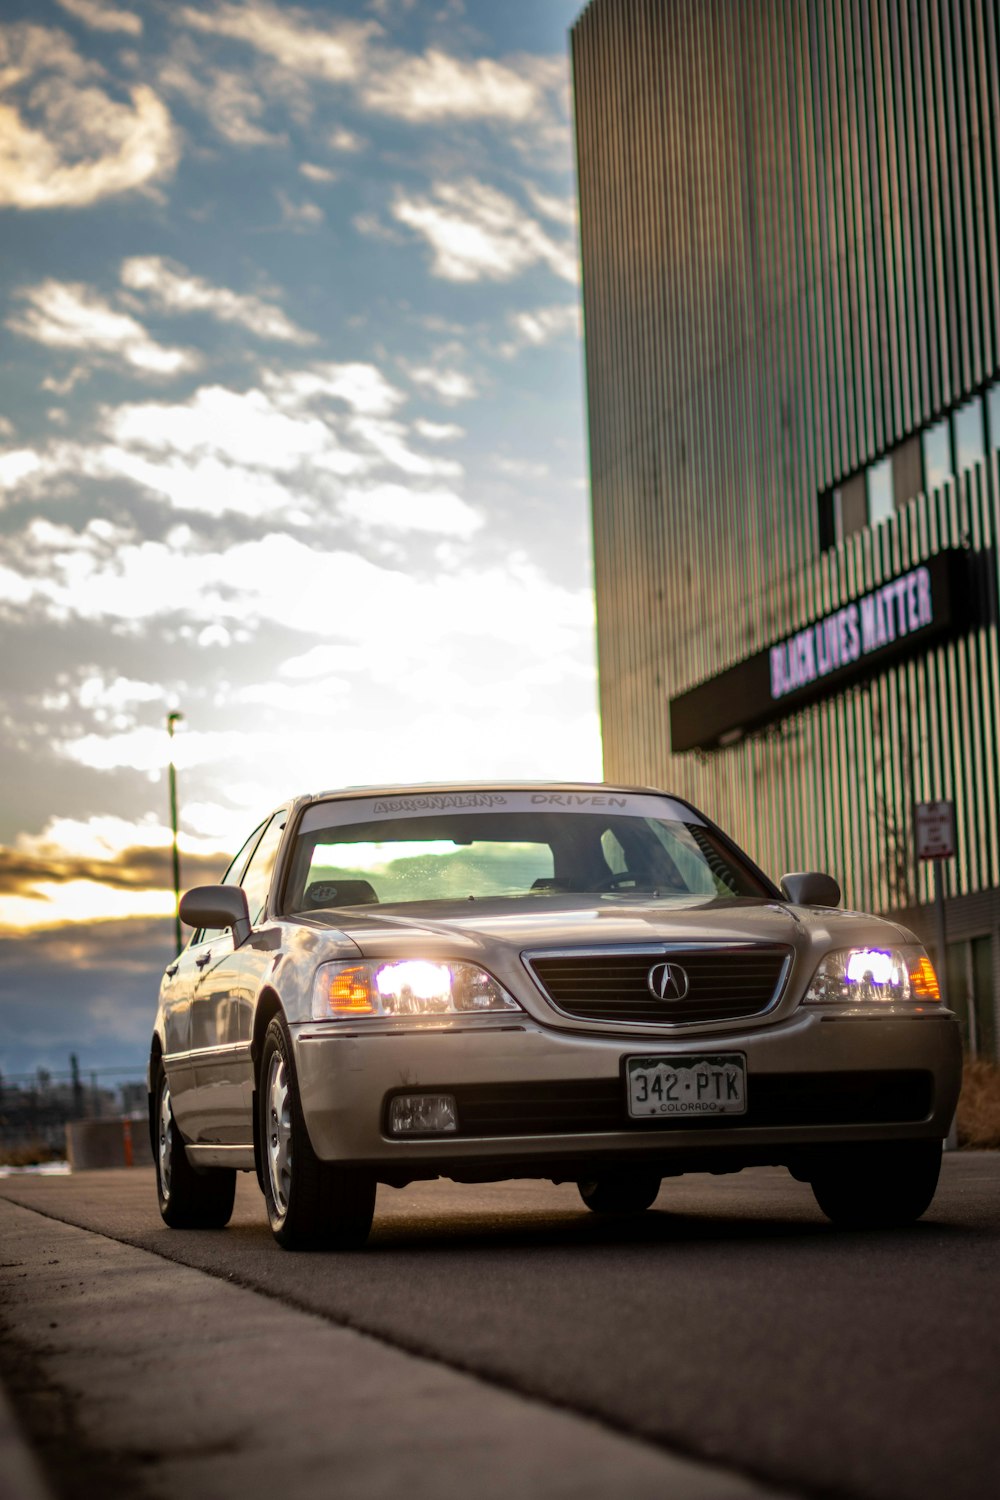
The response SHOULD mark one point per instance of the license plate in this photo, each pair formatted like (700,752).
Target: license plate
(688,1086)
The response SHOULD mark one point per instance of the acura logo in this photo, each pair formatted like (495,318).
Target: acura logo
(667,982)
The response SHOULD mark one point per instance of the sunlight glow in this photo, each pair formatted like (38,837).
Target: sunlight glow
(80,901)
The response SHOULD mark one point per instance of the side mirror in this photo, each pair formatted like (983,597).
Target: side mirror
(217,906)
(810,888)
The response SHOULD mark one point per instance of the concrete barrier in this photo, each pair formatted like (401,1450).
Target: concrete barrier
(93,1144)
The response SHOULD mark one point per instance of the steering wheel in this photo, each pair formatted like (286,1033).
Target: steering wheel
(620,880)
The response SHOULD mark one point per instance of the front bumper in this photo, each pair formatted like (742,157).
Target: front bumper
(534,1101)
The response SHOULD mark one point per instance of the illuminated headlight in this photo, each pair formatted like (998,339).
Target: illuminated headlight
(405,987)
(869,975)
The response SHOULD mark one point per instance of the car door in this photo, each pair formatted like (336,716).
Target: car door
(176,995)
(222,1009)
(205,949)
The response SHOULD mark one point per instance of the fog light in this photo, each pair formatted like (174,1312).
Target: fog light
(422,1114)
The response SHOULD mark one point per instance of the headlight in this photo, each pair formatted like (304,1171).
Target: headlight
(405,987)
(866,975)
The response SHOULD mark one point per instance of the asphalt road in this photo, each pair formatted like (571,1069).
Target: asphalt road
(731,1324)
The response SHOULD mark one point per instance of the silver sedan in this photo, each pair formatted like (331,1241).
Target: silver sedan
(583,983)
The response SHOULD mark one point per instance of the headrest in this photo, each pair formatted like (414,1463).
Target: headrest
(340,893)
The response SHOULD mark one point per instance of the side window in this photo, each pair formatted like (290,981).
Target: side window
(257,878)
(234,874)
(231,877)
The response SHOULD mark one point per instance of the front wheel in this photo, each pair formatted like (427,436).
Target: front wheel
(883,1186)
(311,1204)
(188,1198)
(624,1193)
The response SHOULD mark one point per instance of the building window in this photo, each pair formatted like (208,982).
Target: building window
(907,471)
(993,415)
(969,445)
(922,462)
(937,455)
(831,526)
(878,484)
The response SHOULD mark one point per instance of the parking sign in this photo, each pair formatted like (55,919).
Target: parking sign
(935,822)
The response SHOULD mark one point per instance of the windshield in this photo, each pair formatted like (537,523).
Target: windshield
(361,852)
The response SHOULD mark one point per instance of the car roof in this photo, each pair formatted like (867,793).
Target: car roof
(507,785)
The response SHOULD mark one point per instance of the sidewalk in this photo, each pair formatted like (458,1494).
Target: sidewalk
(194,1386)
(20,1476)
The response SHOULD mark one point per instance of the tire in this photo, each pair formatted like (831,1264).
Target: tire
(188,1198)
(625,1193)
(311,1204)
(877,1186)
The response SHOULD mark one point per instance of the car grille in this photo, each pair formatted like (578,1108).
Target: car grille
(725,983)
(589,1106)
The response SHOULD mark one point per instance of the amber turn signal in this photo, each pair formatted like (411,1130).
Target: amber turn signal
(350,992)
(924,980)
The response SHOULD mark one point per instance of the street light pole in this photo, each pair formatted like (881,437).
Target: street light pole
(172,719)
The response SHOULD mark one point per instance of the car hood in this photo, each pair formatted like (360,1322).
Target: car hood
(467,928)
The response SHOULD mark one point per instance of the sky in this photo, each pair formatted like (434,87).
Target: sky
(291,442)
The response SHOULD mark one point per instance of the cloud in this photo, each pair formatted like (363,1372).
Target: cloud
(438,432)
(97,575)
(65,142)
(436,86)
(102,1015)
(370,225)
(286,697)
(135,853)
(103,17)
(141,748)
(285,448)
(541,325)
(18,465)
(334,52)
(174,289)
(344,140)
(520,468)
(278,429)
(385,9)
(50,902)
(388,440)
(315,173)
(112,699)
(209,484)
(361,387)
(323,661)
(398,618)
(245,428)
(477,233)
(61,386)
(559,210)
(299,215)
(450,386)
(99,869)
(525,95)
(233,101)
(68,315)
(431,87)
(393,507)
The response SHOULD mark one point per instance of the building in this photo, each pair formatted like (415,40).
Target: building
(790,227)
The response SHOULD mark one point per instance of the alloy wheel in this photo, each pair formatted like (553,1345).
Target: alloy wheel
(165,1141)
(279,1133)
